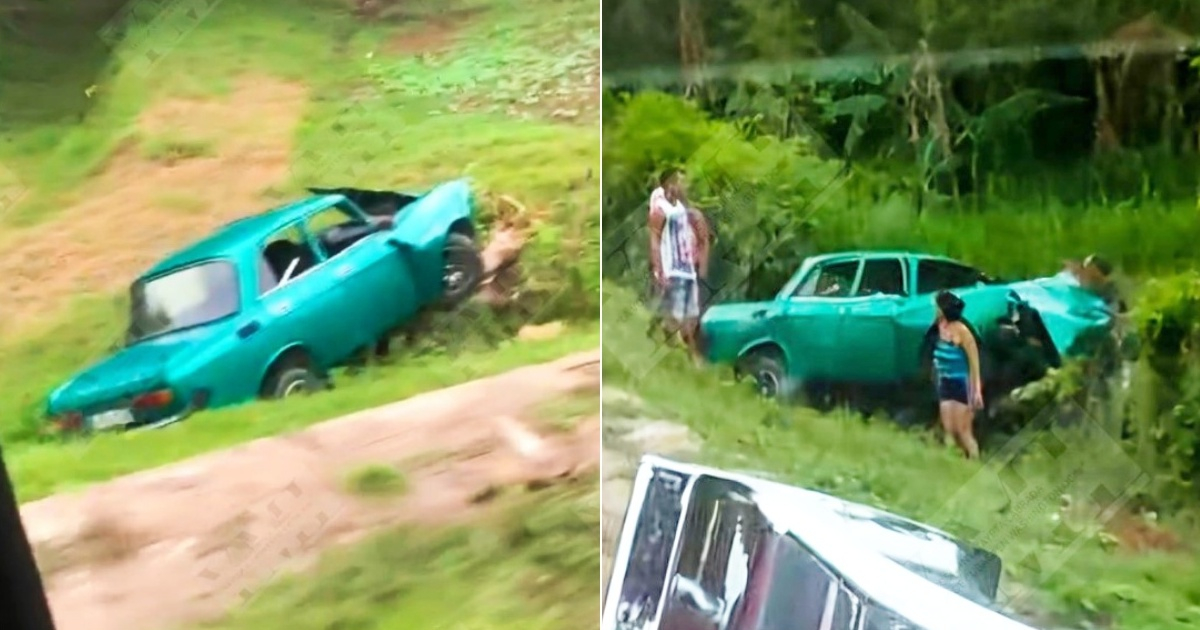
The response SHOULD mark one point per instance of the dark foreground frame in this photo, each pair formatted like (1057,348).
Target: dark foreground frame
(23,604)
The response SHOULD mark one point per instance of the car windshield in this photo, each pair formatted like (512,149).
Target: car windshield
(191,296)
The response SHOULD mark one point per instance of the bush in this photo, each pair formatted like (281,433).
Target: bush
(776,201)
(761,194)
(1164,408)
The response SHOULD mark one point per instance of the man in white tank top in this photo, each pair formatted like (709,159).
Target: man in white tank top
(678,258)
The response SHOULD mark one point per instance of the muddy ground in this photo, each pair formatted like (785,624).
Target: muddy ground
(185,543)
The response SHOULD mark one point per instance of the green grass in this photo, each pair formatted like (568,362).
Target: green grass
(41,469)
(877,463)
(565,413)
(360,128)
(533,565)
(376,480)
(377,116)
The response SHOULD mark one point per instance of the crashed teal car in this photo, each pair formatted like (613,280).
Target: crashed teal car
(267,305)
(864,322)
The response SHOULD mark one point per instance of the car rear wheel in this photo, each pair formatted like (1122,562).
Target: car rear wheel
(292,379)
(462,271)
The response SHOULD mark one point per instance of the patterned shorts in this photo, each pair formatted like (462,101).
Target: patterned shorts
(680,299)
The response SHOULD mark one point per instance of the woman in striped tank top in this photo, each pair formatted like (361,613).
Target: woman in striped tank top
(956,370)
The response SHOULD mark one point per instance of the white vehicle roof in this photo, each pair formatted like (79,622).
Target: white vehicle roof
(836,531)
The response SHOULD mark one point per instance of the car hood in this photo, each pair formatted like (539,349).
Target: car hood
(1067,309)
(130,371)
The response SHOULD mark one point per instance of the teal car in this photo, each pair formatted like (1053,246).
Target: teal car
(863,322)
(268,304)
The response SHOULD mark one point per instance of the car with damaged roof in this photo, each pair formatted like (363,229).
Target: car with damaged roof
(862,322)
(267,305)
(706,549)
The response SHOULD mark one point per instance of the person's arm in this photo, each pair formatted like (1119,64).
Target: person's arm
(967,340)
(703,241)
(657,221)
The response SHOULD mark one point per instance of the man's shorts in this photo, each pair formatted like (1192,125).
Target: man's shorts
(680,299)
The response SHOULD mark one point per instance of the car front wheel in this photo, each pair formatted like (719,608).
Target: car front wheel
(768,374)
(462,271)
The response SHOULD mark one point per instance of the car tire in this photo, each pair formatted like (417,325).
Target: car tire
(769,375)
(462,270)
(291,381)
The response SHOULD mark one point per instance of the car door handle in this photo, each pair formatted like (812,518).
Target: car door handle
(249,329)
(281,308)
(759,314)
(343,271)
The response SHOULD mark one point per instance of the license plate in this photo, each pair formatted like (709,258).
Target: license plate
(110,419)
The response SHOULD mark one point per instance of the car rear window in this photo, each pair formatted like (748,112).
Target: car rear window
(191,296)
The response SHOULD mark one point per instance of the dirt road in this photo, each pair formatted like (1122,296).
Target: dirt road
(184,543)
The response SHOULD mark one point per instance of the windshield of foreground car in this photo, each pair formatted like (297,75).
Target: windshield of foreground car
(191,296)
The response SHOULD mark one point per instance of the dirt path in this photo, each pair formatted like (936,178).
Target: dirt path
(134,212)
(184,543)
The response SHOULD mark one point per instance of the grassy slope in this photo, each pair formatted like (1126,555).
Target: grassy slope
(533,566)
(877,463)
(365,126)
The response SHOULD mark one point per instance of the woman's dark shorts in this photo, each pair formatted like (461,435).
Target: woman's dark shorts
(952,389)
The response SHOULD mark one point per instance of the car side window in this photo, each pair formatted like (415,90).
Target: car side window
(286,255)
(331,217)
(846,608)
(337,228)
(830,280)
(934,276)
(713,561)
(801,590)
(883,276)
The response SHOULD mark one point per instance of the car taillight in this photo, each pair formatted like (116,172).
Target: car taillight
(154,399)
